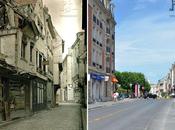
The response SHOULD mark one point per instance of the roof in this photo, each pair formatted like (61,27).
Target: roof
(26,2)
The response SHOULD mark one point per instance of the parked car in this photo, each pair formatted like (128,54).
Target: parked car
(150,95)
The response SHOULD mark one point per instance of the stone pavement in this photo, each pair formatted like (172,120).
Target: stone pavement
(108,103)
(64,117)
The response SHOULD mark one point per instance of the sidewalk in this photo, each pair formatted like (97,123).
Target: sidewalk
(109,103)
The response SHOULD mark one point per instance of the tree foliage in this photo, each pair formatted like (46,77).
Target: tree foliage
(127,78)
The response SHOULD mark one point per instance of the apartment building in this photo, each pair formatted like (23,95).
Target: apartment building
(101,50)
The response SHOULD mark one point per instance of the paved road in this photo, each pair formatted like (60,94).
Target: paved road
(142,114)
(66,117)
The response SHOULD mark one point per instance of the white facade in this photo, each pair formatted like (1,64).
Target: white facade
(154,89)
(67,89)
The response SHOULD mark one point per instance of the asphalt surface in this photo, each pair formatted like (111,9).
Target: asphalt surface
(142,114)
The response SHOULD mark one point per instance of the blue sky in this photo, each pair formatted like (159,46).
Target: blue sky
(145,37)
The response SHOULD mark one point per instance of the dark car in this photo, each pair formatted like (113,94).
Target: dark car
(150,95)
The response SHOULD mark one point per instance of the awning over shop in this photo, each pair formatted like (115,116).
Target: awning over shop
(114,80)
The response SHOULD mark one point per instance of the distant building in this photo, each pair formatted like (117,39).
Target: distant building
(164,85)
(67,90)
(79,63)
(154,89)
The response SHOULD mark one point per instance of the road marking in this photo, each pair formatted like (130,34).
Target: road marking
(107,116)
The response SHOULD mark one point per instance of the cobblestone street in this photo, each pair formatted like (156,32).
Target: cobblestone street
(64,117)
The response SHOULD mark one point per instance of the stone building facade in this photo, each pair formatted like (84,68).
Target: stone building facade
(101,50)
(79,63)
(67,90)
(27,37)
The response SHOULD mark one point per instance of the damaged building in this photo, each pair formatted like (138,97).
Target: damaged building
(28,42)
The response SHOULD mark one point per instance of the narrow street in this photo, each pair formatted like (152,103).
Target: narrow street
(65,117)
(142,114)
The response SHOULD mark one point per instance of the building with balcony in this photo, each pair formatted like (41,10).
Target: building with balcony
(27,37)
(101,50)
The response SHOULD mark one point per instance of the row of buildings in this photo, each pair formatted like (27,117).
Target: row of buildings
(166,85)
(33,73)
(73,77)
(101,50)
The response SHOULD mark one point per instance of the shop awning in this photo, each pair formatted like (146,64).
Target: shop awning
(114,80)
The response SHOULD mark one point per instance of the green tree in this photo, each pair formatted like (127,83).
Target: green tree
(127,78)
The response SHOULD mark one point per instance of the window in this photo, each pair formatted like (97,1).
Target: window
(107,59)
(44,65)
(97,22)
(3,18)
(101,25)
(40,61)
(37,58)
(94,18)
(113,37)
(62,46)
(21,23)
(23,48)
(108,49)
(31,51)
(107,30)
(108,70)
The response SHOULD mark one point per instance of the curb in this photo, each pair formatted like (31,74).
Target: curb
(96,107)
(107,105)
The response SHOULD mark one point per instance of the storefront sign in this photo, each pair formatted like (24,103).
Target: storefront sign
(106,78)
(97,77)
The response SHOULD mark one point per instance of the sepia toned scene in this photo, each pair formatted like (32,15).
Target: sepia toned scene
(43,59)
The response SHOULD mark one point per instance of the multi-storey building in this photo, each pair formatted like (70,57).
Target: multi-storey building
(79,67)
(26,57)
(101,50)
(172,78)
(67,89)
